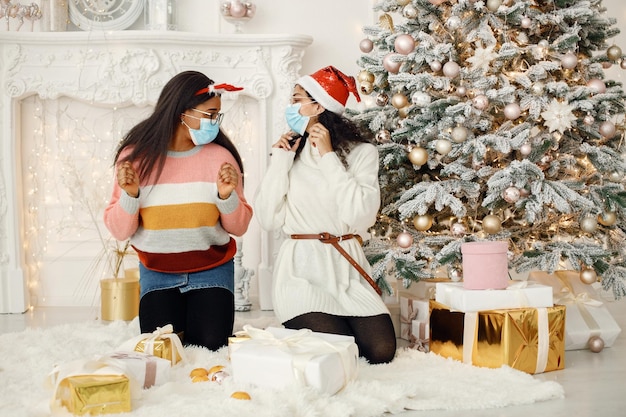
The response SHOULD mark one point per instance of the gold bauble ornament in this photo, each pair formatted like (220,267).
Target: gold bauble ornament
(614,53)
(418,156)
(365,75)
(588,276)
(399,101)
(608,218)
(403,112)
(492,224)
(366,87)
(423,222)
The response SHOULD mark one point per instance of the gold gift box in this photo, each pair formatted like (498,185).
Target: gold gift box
(501,337)
(161,348)
(95,394)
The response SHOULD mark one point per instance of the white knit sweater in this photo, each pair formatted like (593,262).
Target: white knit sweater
(312,195)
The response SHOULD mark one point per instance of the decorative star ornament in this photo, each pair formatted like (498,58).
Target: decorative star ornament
(482,58)
(558,116)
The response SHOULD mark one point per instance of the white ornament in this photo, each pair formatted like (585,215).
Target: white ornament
(607,129)
(436,66)
(569,60)
(537,88)
(451,69)
(526,22)
(366,46)
(588,224)
(588,120)
(420,99)
(459,134)
(481,102)
(458,229)
(511,194)
(405,240)
(493,5)
(512,111)
(525,149)
(558,116)
(461,90)
(443,146)
(409,11)
(483,57)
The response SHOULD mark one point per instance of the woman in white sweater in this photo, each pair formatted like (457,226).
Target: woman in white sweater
(321,189)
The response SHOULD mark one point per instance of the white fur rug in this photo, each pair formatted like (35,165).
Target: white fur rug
(413,381)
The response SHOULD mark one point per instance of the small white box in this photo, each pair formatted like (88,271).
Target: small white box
(519,294)
(277,358)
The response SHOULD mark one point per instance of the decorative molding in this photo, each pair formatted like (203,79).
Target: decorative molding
(122,68)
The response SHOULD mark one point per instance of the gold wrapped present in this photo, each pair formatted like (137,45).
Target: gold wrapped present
(95,394)
(162,343)
(528,339)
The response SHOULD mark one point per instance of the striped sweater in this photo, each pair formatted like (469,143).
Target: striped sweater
(180,224)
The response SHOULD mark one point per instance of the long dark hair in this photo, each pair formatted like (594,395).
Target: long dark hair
(150,138)
(344,134)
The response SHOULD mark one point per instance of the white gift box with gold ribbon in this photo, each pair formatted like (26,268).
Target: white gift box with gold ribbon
(277,358)
(587,316)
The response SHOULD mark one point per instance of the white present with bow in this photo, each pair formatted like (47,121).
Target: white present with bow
(277,358)
(162,343)
(144,369)
(587,316)
(519,294)
(411,308)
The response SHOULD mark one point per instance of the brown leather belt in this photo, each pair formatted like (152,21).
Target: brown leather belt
(334,240)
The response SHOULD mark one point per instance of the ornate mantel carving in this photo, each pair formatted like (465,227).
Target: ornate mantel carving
(120,69)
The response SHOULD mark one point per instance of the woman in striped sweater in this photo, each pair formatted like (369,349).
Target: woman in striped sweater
(179,198)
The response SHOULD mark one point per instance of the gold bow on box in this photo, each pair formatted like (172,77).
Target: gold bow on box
(162,343)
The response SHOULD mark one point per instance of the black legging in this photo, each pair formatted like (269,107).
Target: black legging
(205,316)
(374,335)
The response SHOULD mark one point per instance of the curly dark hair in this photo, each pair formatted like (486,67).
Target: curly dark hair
(150,138)
(344,134)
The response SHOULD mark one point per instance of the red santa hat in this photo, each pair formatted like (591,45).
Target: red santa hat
(330,88)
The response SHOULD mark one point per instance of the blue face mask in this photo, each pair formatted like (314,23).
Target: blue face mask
(206,134)
(295,120)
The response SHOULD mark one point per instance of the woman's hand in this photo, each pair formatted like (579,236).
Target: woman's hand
(128,179)
(284,142)
(227,180)
(320,138)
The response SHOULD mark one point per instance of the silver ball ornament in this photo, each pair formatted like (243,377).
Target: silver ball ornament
(410,11)
(455,275)
(607,129)
(459,134)
(366,46)
(443,147)
(405,240)
(383,136)
(511,194)
(382,99)
(596,344)
(420,99)
(597,85)
(588,120)
(492,224)
(588,276)
(569,60)
(607,218)
(418,156)
(589,224)
(512,111)
(614,53)
(451,69)
(404,44)
(481,102)
(423,222)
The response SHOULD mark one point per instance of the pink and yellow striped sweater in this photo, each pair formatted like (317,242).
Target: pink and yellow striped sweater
(180,224)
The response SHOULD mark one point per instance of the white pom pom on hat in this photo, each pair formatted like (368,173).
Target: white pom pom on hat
(330,88)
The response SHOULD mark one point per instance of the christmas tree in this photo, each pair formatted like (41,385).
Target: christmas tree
(495,121)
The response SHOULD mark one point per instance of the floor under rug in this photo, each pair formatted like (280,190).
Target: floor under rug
(413,381)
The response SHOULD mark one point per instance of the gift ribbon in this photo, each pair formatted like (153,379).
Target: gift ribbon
(303,345)
(569,296)
(161,333)
(470,332)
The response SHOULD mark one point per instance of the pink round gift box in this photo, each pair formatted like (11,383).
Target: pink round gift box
(485,265)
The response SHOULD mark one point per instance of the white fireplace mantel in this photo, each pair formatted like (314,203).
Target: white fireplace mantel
(123,68)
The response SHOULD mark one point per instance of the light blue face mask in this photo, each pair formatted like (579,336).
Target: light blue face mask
(206,134)
(295,120)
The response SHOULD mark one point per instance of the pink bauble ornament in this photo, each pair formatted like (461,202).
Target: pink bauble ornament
(451,69)
(523,192)
(525,149)
(366,46)
(526,22)
(588,120)
(597,85)
(461,90)
(511,194)
(405,240)
(569,60)
(607,65)
(436,66)
(237,9)
(607,129)
(512,111)
(622,64)
(390,64)
(404,44)
(458,229)
(481,102)
(596,344)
